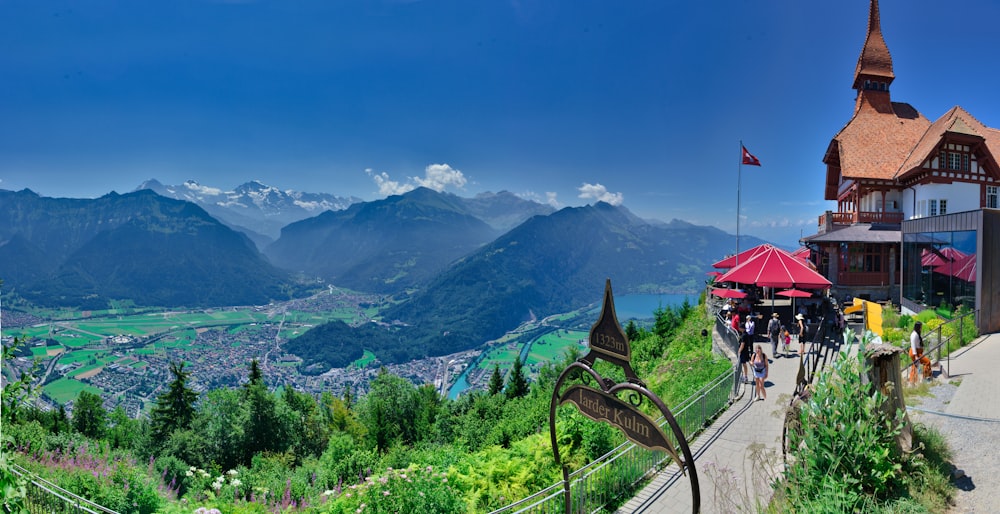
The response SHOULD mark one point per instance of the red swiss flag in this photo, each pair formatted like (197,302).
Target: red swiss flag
(748,158)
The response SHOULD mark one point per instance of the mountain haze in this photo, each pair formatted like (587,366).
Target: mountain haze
(383,246)
(255,208)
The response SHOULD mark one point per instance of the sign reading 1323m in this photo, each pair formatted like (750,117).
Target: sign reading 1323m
(607,336)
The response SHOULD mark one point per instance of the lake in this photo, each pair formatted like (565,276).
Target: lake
(641,306)
(638,306)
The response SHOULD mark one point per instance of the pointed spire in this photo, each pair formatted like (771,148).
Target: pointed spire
(874,72)
(875,63)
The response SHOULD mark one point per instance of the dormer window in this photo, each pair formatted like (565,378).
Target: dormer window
(954,157)
(872,85)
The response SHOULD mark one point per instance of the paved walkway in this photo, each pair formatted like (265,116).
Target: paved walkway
(965,408)
(737,454)
(726,452)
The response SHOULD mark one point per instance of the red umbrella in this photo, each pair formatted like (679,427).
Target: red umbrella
(793,294)
(728,293)
(803,253)
(963,268)
(774,267)
(935,257)
(744,256)
(715,274)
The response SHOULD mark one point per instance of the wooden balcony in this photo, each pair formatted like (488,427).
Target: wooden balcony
(850,218)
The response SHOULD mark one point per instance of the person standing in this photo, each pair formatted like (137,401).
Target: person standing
(774,332)
(917,354)
(800,332)
(760,372)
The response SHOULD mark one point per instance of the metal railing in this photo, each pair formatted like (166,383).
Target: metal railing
(44,496)
(939,341)
(619,471)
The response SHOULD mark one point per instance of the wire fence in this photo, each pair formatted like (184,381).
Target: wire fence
(620,471)
(45,497)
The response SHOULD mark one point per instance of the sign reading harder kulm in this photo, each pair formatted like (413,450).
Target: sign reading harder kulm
(608,342)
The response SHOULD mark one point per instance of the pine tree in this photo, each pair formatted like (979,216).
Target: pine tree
(256,376)
(175,408)
(517,385)
(496,381)
(631,330)
(89,416)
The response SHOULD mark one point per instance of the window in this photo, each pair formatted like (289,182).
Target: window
(955,157)
(932,207)
(864,258)
(942,206)
(991,197)
(921,208)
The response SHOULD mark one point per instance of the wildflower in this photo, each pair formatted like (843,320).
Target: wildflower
(232,472)
(189,474)
(192,469)
(385,493)
(421,493)
(328,492)
(236,482)
(216,485)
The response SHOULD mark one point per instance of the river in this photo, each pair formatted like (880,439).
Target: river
(638,306)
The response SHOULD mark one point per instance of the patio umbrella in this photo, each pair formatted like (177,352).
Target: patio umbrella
(743,256)
(774,267)
(728,293)
(714,274)
(935,257)
(793,294)
(963,268)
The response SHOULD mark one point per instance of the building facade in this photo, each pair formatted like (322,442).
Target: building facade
(911,195)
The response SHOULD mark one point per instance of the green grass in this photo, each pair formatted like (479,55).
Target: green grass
(365,360)
(66,389)
(80,356)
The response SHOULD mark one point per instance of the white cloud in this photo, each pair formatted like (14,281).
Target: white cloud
(600,194)
(550,198)
(440,176)
(436,176)
(205,190)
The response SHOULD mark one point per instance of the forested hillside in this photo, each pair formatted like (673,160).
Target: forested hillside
(398,448)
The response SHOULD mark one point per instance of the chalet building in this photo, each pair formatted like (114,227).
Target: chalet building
(916,220)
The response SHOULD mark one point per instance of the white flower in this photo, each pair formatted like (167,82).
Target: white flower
(236,482)
(232,472)
(193,469)
(189,473)
(216,485)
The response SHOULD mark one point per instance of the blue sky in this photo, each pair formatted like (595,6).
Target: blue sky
(642,102)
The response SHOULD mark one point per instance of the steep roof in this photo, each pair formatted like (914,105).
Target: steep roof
(956,121)
(875,60)
(874,144)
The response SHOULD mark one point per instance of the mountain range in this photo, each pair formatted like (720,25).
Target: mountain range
(138,246)
(458,272)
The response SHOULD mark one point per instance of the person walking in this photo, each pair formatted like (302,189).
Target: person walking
(760,372)
(917,354)
(746,348)
(774,332)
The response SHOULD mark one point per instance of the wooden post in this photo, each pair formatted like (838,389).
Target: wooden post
(884,372)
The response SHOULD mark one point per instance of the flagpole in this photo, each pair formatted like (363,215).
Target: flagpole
(739,176)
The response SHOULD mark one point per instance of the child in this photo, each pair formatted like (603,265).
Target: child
(788,339)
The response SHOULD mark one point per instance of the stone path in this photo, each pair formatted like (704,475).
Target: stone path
(739,448)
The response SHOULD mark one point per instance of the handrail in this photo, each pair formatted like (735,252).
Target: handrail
(633,458)
(38,488)
(942,342)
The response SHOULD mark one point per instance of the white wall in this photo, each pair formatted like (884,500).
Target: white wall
(961,196)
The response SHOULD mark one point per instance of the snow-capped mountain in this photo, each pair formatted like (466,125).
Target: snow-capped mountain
(255,208)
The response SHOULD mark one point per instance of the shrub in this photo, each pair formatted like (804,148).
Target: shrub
(409,490)
(846,443)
